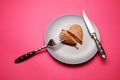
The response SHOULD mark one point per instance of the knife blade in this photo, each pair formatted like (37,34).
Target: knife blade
(93,35)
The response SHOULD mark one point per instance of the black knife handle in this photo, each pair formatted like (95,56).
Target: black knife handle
(99,46)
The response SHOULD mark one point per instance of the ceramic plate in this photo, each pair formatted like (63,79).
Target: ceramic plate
(68,54)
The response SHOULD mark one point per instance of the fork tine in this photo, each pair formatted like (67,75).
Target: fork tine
(58,39)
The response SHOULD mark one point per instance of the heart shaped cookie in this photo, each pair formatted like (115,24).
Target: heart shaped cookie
(73,35)
(77,32)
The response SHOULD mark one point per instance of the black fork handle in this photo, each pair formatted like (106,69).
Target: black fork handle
(28,55)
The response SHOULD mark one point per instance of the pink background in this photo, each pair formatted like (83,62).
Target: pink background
(22,27)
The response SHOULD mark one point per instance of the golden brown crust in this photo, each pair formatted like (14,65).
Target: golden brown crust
(77,31)
(73,35)
(67,38)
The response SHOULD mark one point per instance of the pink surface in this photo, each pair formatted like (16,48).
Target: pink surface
(22,27)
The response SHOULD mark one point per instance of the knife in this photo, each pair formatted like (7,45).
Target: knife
(93,35)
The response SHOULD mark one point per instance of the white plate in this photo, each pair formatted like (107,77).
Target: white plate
(68,54)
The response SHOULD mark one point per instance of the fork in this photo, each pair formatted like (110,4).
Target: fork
(51,43)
